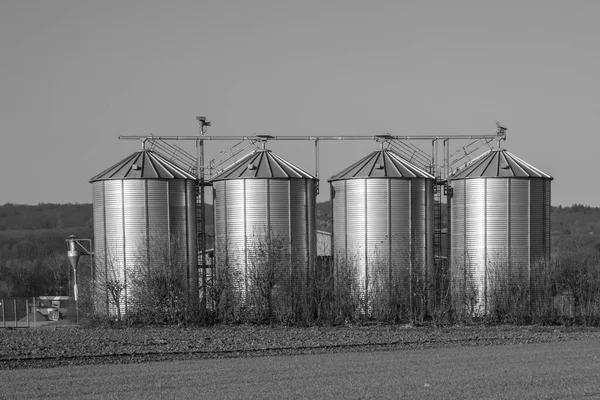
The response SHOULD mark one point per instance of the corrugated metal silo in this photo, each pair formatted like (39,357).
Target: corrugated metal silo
(144,211)
(383,227)
(264,213)
(500,228)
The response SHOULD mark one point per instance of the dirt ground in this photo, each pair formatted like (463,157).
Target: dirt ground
(567,369)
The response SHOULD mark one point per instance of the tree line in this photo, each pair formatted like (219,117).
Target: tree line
(33,260)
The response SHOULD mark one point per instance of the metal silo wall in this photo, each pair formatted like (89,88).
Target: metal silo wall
(457,243)
(377,250)
(99,296)
(519,232)
(500,231)
(220,224)
(400,195)
(141,222)
(234,266)
(311,235)
(538,219)
(356,233)
(135,233)
(338,212)
(382,236)
(475,239)
(256,216)
(114,262)
(262,223)
(540,234)
(497,266)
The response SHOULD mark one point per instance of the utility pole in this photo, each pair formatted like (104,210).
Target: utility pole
(203,123)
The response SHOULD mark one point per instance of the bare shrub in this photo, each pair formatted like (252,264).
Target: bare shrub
(264,283)
(109,286)
(159,287)
(321,289)
(348,303)
(577,275)
(441,300)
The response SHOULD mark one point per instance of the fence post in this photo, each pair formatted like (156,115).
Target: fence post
(15,310)
(3,320)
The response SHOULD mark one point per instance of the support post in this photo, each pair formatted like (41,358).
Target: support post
(203,124)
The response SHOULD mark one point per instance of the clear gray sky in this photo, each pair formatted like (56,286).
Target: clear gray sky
(74,75)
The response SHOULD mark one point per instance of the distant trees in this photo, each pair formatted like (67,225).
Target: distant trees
(34,263)
(45,216)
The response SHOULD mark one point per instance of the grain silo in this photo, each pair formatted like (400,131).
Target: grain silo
(383,230)
(144,221)
(500,224)
(264,213)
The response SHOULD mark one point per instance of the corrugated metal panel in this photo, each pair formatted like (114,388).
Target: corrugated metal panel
(497,229)
(158,213)
(339,229)
(100,299)
(143,220)
(418,227)
(388,226)
(475,236)
(272,223)
(135,234)
(220,224)
(114,263)
(507,227)
(548,207)
(256,216)
(279,210)
(401,237)
(538,220)
(458,241)
(377,236)
(355,231)
(519,232)
(311,201)
(113,203)
(99,223)
(235,240)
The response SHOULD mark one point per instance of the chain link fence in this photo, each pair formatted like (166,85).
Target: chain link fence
(31,312)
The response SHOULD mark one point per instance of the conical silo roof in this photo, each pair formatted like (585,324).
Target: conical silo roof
(262,163)
(498,163)
(381,164)
(143,164)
